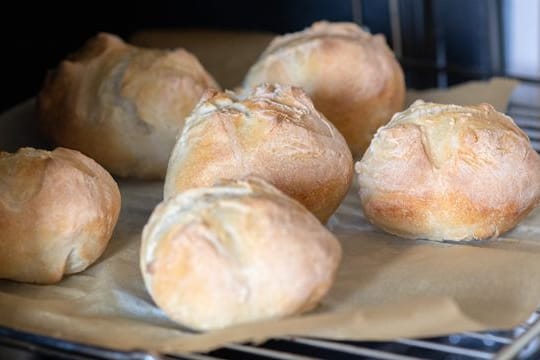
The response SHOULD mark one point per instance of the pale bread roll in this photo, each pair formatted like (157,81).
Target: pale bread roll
(449,172)
(58,210)
(236,252)
(122,105)
(273,132)
(352,77)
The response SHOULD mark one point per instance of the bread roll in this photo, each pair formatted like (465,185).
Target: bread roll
(448,172)
(58,210)
(237,252)
(273,132)
(352,77)
(122,105)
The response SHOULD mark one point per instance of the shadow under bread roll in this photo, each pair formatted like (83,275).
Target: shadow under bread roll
(352,76)
(236,252)
(449,172)
(273,132)
(122,105)
(58,210)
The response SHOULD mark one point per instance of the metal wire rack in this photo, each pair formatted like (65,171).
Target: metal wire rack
(522,342)
(524,108)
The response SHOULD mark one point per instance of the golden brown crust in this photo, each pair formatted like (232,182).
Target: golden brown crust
(351,76)
(57,213)
(448,172)
(237,252)
(273,132)
(122,105)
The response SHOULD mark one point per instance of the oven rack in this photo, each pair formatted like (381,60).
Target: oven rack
(524,108)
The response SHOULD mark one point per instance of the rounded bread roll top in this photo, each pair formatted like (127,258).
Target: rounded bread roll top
(352,77)
(273,132)
(122,105)
(448,172)
(58,210)
(236,252)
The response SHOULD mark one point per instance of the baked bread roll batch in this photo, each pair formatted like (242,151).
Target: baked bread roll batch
(352,76)
(122,105)
(250,176)
(449,172)
(236,252)
(272,131)
(58,210)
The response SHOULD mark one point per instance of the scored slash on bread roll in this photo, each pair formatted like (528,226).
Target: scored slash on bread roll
(236,252)
(273,132)
(449,172)
(122,105)
(58,210)
(352,77)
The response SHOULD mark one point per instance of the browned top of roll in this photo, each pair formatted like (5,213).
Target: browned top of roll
(273,132)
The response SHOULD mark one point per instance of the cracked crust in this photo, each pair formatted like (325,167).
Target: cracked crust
(58,210)
(237,252)
(351,76)
(449,172)
(273,132)
(122,105)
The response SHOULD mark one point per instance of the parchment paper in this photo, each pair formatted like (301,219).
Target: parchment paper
(386,288)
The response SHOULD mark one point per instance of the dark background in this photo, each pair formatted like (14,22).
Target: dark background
(443,41)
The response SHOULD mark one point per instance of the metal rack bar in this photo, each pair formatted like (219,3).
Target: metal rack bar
(450,349)
(489,337)
(52,352)
(192,356)
(527,121)
(351,349)
(274,354)
(534,134)
(511,350)
(56,347)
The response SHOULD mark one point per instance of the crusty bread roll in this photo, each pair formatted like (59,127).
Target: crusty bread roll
(273,132)
(448,172)
(352,77)
(122,105)
(58,210)
(236,252)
